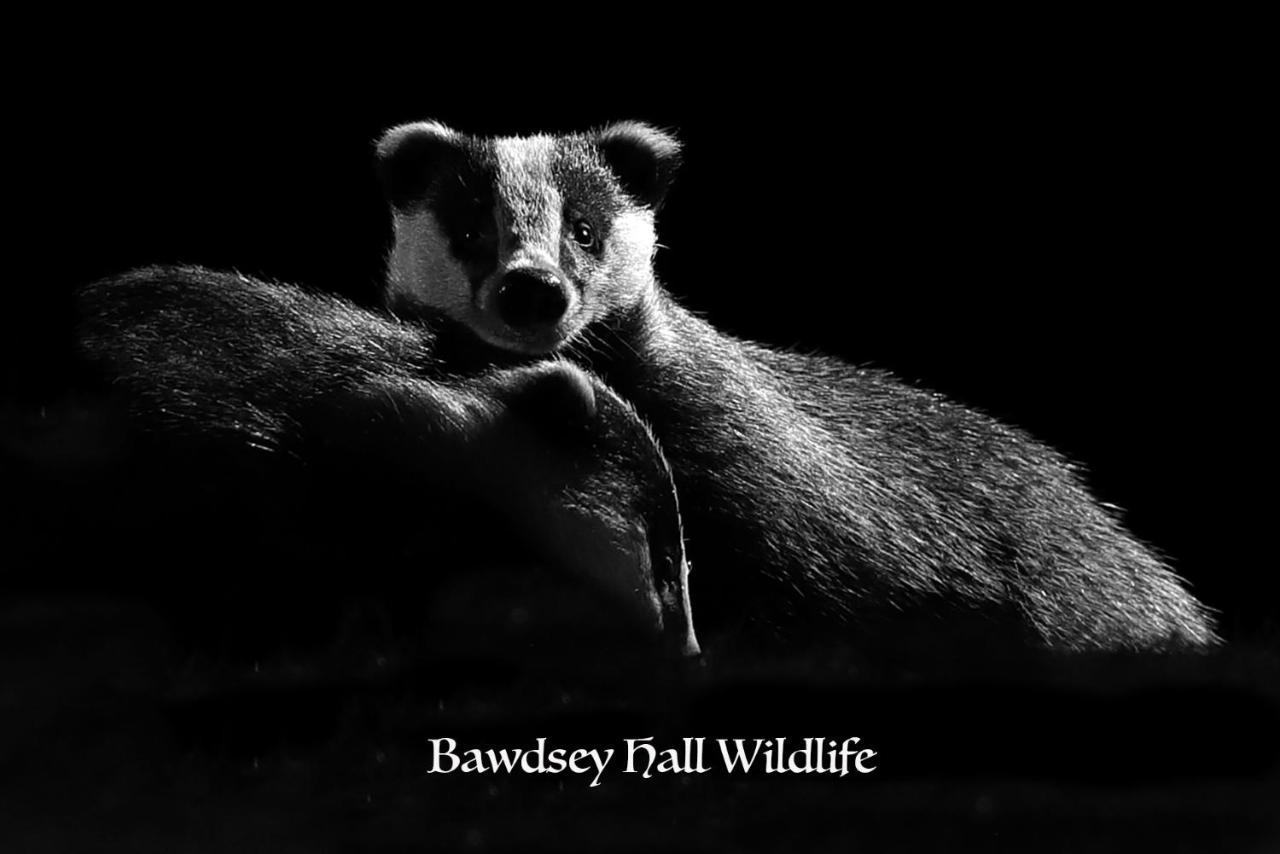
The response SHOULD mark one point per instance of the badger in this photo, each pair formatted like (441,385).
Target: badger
(335,432)
(821,501)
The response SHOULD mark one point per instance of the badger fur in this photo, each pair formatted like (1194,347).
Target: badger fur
(288,402)
(819,499)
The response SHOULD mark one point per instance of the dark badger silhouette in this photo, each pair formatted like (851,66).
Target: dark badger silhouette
(333,433)
(818,499)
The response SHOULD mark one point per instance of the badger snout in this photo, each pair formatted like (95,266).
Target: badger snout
(528,308)
(529,300)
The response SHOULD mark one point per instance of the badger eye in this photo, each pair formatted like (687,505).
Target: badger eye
(477,225)
(583,234)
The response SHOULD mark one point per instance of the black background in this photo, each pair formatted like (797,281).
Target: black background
(1060,229)
(1058,234)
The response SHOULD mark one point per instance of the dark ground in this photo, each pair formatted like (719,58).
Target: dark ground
(1059,234)
(113,742)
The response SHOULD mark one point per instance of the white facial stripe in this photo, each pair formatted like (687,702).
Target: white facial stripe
(531,203)
(422,269)
(633,237)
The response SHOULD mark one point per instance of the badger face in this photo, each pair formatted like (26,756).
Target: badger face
(524,240)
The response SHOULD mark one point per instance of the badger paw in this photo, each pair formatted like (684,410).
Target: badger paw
(554,395)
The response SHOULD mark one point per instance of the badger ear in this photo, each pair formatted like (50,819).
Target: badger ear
(644,158)
(409,158)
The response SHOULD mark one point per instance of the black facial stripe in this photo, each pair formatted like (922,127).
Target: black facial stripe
(587,186)
(461,198)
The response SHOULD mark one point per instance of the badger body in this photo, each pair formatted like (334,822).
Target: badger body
(251,412)
(819,500)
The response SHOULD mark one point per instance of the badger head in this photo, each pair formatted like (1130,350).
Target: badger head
(524,240)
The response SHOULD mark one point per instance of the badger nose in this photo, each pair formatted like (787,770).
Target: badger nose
(531,298)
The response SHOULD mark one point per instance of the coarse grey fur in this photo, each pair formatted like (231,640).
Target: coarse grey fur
(820,500)
(259,381)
